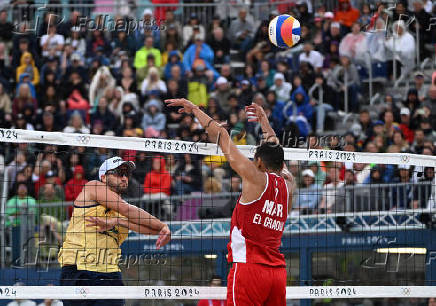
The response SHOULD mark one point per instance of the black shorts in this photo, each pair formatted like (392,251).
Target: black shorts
(70,276)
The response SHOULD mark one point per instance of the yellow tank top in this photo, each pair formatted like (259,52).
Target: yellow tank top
(88,249)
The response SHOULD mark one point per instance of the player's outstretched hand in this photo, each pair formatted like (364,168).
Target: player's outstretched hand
(164,237)
(103,224)
(185,105)
(254,112)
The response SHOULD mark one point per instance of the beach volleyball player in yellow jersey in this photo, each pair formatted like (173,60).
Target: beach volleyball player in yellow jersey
(100,223)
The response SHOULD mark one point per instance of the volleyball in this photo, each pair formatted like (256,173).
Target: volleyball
(284,31)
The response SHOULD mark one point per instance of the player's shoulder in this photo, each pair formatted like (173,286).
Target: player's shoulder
(94,183)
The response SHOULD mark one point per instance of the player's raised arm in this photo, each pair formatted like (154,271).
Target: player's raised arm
(218,134)
(255,113)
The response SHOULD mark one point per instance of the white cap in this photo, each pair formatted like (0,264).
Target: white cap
(279,76)
(113,163)
(335,25)
(407,167)
(221,80)
(329,15)
(405,111)
(308,172)
(147,11)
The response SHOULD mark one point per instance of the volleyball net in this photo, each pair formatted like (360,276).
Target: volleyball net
(360,221)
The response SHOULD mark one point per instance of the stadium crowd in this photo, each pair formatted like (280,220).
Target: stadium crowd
(64,77)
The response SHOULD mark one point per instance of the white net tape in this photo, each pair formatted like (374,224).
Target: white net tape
(178,146)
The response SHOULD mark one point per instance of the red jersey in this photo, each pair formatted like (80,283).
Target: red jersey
(257,227)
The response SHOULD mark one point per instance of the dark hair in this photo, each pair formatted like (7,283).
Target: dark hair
(271,154)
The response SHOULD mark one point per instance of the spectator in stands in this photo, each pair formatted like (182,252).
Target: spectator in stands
(422,193)
(353,82)
(153,86)
(153,116)
(402,194)
(157,183)
(74,186)
(172,35)
(50,240)
(76,41)
(320,175)
(354,45)
(76,124)
(102,80)
(420,86)
(405,124)
(193,29)
(309,195)
(333,193)
(399,142)
(142,54)
(260,44)
(313,57)
(52,43)
(199,54)
(27,65)
(23,99)
(299,111)
(6,31)
(187,176)
(103,115)
(418,143)
(212,185)
(222,94)
(241,32)
(422,23)
(346,15)
(404,48)
(51,192)
(5,106)
(220,46)
(174,59)
(21,204)
(281,87)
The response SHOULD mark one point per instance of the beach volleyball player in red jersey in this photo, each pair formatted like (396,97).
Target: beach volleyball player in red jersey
(258,273)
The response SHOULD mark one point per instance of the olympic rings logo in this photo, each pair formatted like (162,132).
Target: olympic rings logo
(83,139)
(82,291)
(406,291)
(405,158)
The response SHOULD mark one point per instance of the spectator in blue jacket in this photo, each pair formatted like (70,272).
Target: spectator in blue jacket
(199,53)
(309,195)
(153,116)
(173,60)
(299,111)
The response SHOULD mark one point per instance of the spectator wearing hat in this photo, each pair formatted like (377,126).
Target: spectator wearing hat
(28,66)
(281,87)
(309,195)
(241,32)
(174,59)
(420,86)
(220,46)
(222,94)
(192,30)
(22,123)
(240,136)
(405,124)
(404,47)
(320,175)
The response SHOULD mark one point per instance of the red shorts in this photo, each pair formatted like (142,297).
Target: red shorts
(256,284)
